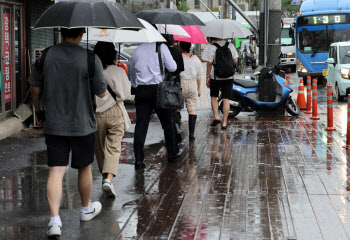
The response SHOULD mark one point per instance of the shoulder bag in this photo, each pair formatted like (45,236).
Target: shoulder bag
(169,92)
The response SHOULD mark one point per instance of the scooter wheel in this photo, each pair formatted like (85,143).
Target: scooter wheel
(292,107)
(234,111)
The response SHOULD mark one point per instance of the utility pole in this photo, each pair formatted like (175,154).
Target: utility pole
(223,9)
(270,41)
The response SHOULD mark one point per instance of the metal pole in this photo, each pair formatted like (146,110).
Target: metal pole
(208,9)
(235,6)
(266,9)
(222,9)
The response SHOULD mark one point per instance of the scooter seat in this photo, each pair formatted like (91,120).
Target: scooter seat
(245,83)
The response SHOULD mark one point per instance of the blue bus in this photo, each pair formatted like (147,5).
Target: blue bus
(319,23)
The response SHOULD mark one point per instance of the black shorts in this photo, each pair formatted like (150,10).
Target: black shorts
(225,86)
(59,147)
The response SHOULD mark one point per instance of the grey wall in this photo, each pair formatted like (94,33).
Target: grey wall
(138,5)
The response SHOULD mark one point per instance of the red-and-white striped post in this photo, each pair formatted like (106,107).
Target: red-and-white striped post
(329,109)
(348,126)
(314,100)
(288,79)
(308,99)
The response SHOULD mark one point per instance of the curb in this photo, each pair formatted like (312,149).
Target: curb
(10,126)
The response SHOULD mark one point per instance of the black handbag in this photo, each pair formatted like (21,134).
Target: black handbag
(169,92)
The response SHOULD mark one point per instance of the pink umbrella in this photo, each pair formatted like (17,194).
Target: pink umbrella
(196,35)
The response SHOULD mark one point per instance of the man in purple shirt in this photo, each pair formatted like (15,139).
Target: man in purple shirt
(145,76)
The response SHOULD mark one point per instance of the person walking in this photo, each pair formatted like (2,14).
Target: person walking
(221,57)
(176,53)
(190,82)
(211,40)
(111,116)
(145,76)
(69,123)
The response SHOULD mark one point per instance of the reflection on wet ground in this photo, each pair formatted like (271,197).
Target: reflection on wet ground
(263,178)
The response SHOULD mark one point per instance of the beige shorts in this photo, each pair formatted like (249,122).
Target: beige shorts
(189,93)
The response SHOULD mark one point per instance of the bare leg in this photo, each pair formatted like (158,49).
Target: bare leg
(226,111)
(54,189)
(85,185)
(215,107)
(191,111)
(109,176)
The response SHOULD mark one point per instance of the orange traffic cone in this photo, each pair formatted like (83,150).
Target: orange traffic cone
(301,96)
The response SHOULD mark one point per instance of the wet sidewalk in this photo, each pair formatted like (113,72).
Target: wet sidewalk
(263,178)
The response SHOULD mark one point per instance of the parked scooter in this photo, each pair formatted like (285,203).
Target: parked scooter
(270,92)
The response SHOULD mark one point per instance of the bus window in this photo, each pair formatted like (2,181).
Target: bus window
(310,41)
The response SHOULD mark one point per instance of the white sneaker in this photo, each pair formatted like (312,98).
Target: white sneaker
(108,188)
(96,208)
(54,230)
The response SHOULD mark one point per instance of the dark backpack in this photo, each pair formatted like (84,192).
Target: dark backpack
(91,69)
(223,65)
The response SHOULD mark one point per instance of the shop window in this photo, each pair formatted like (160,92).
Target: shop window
(197,4)
(7,59)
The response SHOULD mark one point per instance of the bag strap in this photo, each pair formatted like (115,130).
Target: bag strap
(217,45)
(214,64)
(111,92)
(158,47)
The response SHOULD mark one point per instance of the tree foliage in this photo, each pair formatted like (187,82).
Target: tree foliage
(288,10)
(182,6)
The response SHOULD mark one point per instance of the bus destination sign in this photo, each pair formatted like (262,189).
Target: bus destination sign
(324,19)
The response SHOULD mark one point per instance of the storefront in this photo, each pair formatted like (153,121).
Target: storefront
(12,54)
(18,46)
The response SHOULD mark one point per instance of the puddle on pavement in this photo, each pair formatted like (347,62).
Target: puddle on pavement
(39,158)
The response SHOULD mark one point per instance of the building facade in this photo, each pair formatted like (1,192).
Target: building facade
(17,44)
(12,55)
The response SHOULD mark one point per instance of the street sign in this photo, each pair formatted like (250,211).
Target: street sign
(296,2)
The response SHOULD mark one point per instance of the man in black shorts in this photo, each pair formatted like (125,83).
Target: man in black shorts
(69,121)
(219,84)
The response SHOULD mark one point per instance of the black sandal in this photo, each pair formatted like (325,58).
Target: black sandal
(223,127)
(215,123)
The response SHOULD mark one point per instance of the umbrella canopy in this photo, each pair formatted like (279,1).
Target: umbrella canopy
(169,16)
(147,35)
(196,35)
(86,14)
(173,30)
(225,28)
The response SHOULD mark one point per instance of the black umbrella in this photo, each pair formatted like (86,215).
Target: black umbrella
(169,16)
(87,14)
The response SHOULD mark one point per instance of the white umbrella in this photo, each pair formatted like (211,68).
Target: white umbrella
(225,28)
(147,35)
(173,30)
